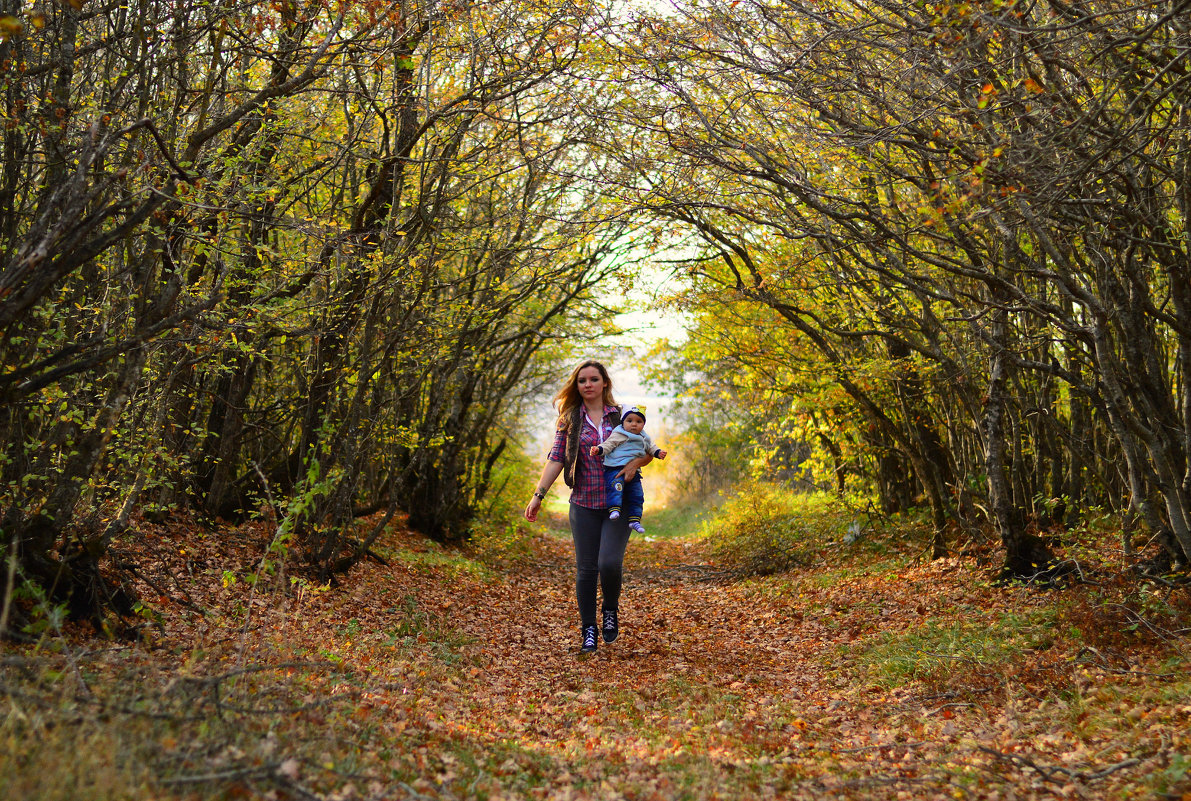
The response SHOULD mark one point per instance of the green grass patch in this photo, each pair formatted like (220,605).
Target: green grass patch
(436,559)
(419,629)
(502,545)
(936,651)
(678,519)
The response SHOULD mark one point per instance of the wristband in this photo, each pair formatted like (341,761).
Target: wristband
(540,494)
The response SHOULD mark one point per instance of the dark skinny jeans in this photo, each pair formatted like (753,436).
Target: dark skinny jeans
(599,556)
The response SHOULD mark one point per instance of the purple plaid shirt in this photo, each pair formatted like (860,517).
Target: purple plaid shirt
(589,490)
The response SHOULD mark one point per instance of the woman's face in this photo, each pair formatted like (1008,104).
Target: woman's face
(591,383)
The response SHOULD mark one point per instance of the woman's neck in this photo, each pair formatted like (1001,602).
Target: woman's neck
(594,408)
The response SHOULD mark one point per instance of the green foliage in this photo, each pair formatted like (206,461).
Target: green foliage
(45,617)
(765,529)
(499,533)
(1174,776)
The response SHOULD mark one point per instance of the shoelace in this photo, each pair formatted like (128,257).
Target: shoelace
(609,620)
(589,637)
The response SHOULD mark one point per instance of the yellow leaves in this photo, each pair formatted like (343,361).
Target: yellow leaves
(10,27)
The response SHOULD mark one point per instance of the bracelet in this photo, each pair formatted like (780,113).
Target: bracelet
(540,494)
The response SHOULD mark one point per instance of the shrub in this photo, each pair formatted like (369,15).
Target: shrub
(499,533)
(767,529)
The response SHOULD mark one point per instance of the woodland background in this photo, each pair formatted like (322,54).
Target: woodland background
(318,258)
(309,266)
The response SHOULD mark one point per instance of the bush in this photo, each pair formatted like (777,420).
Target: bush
(499,533)
(767,529)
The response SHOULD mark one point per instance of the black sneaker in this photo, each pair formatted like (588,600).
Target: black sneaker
(590,640)
(611,628)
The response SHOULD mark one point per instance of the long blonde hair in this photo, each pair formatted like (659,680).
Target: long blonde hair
(568,398)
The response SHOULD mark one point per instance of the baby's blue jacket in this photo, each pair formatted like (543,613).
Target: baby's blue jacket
(634,445)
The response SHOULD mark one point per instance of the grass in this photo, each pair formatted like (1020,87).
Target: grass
(434,559)
(661,520)
(766,530)
(938,650)
(677,520)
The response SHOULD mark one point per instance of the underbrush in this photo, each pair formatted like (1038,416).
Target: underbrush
(258,713)
(500,536)
(765,529)
(107,725)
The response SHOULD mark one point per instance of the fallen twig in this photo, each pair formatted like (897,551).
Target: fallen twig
(255,771)
(1049,772)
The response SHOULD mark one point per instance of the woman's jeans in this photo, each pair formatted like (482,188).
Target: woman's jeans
(599,556)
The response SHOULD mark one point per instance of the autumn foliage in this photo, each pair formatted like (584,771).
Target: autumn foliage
(282,284)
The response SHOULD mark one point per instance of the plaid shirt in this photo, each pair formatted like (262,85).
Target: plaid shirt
(589,491)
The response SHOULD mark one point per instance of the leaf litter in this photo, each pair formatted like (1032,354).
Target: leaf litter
(438,675)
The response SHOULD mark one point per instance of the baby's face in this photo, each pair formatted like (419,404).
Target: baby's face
(633,424)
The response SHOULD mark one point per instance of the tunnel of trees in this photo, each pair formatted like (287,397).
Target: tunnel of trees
(314,260)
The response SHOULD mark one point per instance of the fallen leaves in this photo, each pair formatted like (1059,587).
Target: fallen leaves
(456,680)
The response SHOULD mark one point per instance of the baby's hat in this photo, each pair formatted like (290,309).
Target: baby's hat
(633,410)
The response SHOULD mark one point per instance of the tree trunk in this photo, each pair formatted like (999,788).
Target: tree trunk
(1025,555)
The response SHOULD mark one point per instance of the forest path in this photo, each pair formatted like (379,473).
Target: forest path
(872,673)
(713,690)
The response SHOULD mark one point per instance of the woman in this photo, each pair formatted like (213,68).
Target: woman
(586,415)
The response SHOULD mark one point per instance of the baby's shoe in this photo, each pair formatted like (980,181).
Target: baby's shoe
(637,527)
(614,514)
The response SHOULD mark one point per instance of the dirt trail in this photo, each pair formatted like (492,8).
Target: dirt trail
(712,690)
(436,676)
(700,677)
(718,690)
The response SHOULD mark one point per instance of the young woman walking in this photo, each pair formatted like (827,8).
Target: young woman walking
(587,413)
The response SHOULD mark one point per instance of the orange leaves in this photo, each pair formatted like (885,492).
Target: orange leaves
(457,680)
(987,93)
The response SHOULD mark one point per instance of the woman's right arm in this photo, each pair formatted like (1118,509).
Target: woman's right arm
(549,473)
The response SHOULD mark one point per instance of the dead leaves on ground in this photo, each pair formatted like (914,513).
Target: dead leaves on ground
(440,676)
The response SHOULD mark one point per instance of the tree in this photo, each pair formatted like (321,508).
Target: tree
(278,258)
(925,162)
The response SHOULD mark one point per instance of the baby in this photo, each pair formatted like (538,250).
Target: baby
(626,442)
